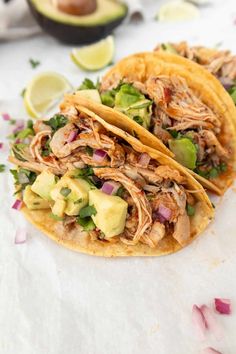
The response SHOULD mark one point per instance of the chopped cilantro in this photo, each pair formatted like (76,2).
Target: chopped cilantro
(57,121)
(65,191)
(190,210)
(213,173)
(88,84)
(2,168)
(46,150)
(87,211)
(89,150)
(84,172)
(223,167)
(138,119)
(34,63)
(120,192)
(87,223)
(173,133)
(29,124)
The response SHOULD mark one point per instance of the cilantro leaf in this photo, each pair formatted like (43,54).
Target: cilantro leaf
(2,168)
(34,63)
(87,223)
(87,211)
(57,121)
(88,84)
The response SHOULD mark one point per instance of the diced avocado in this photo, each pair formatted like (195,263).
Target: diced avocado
(141,109)
(185,152)
(91,95)
(76,196)
(43,184)
(74,26)
(33,201)
(111,212)
(58,208)
(127,96)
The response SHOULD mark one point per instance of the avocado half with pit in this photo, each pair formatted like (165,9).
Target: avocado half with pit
(73,28)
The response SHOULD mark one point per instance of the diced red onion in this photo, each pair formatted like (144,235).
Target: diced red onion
(20,124)
(17,205)
(6,116)
(1,145)
(164,212)
(211,321)
(199,321)
(226,82)
(223,306)
(210,350)
(110,187)
(72,136)
(17,141)
(99,155)
(144,159)
(20,236)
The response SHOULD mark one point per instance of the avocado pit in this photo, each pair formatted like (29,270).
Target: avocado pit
(76,7)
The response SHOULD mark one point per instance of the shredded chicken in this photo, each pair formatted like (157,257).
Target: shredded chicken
(182,229)
(36,166)
(155,235)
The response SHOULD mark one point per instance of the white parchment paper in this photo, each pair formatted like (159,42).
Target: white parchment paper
(55,301)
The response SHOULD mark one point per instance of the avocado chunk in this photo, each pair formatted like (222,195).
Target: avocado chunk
(132,103)
(43,184)
(185,152)
(167,47)
(111,212)
(58,208)
(78,29)
(91,95)
(72,191)
(33,201)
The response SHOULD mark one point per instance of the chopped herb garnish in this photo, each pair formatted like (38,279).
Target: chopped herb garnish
(84,172)
(173,133)
(25,133)
(87,223)
(87,211)
(23,175)
(138,119)
(2,168)
(57,121)
(34,63)
(78,201)
(120,192)
(65,191)
(213,173)
(89,150)
(88,84)
(46,150)
(190,210)
(17,151)
(12,121)
(29,124)
(55,217)
(223,167)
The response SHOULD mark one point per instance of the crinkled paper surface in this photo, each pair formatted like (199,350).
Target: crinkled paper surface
(56,301)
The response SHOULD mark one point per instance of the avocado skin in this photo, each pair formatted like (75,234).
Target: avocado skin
(70,34)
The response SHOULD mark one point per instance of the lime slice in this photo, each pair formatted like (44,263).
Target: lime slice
(177,11)
(95,56)
(44,92)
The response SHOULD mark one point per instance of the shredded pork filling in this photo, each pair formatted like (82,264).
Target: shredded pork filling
(148,189)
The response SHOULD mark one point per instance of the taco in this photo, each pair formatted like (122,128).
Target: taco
(184,107)
(221,63)
(94,188)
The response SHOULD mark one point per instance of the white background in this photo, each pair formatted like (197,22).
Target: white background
(55,301)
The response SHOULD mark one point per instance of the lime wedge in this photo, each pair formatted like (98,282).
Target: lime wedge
(94,56)
(177,11)
(43,92)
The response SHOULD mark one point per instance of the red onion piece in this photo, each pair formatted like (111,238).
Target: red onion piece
(20,124)
(99,155)
(199,321)
(211,321)
(20,236)
(17,141)
(223,306)
(144,159)
(6,116)
(17,205)
(164,212)
(72,136)
(1,145)
(110,187)
(210,350)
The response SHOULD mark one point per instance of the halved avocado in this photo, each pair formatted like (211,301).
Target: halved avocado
(74,29)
